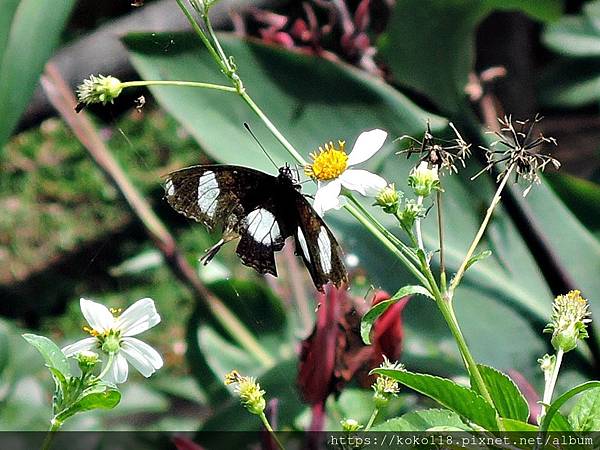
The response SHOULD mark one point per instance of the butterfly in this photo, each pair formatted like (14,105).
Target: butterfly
(260,209)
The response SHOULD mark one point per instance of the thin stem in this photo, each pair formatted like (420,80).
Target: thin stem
(200,32)
(267,425)
(54,427)
(273,129)
(479,235)
(549,388)
(372,419)
(469,361)
(111,358)
(217,87)
(441,240)
(418,225)
(401,245)
(382,238)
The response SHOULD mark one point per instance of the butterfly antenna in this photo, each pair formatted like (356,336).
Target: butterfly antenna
(260,145)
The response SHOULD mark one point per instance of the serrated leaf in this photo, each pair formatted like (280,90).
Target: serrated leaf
(425,420)
(373,314)
(585,415)
(560,401)
(507,398)
(460,399)
(53,355)
(478,257)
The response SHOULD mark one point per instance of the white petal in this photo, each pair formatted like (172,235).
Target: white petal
(79,346)
(138,317)
(327,196)
(367,144)
(97,315)
(119,371)
(141,356)
(362,181)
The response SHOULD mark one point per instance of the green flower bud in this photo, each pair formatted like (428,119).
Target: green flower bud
(350,425)
(411,212)
(99,89)
(388,199)
(249,390)
(423,180)
(386,387)
(547,364)
(87,360)
(111,343)
(570,316)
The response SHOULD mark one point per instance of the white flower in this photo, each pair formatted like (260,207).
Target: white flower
(331,168)
(112,332)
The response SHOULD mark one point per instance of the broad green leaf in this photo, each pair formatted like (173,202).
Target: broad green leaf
(517,425)
(505,394)
(373,314)
(573,36)
(570,83)
(585,415)
(26,43)
(423,421)
(560,401)
(53,356)
(559,423)
(311,100)
(101,397)
(460,399)
(478,257)
(429,44)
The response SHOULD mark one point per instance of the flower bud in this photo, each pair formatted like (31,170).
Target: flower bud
(99,89)
(249,390)
(386,387)
(423,180)
(350,425)
(87,360)
(547,364)
(570,316)
(388,199)
(411,212)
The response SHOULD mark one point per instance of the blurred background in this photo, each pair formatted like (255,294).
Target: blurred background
(322,70)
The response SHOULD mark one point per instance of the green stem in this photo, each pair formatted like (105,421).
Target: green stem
(202,35)
(386,242)
(111,358)
(267,425)
(273,129)
(195,84)
(372,419)
(461,271)
(549,388)
(54,427)
(441,240)
(397,242)
(418,226)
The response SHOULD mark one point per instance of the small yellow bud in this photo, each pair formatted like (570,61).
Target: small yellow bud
(386,387)
(350,425)
(423,180)
(99,89)
(249,390)
(87,360)
(570,316)
(388,199)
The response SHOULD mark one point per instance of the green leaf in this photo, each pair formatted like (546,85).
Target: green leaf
(26,43)
(423,421)
(53,356)
(517,425)
(573,36)
(429,44)
(373,314)
(560,401)
(460,399)
(585,415)
(311,100)
(570,83)
(478,257)
(505,394)
(101,396)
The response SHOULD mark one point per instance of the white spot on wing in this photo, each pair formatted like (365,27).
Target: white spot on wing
(324,250)
(208,191)
(170,187)
(303,244)
(263,226)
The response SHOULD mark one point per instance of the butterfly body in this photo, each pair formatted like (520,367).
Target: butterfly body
(261,210)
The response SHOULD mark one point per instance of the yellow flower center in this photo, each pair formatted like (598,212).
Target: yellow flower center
(328,163)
